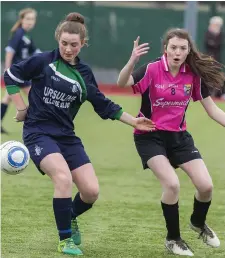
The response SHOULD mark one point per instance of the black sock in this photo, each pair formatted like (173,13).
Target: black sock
(171,214)
(62,210)
(200,211)
(79,207)
(3,109)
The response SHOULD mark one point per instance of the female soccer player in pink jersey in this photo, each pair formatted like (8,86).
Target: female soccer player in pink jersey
(167,86)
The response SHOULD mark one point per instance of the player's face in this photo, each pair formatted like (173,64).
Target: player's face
(177,51)
(29,20)
(215,27)
(69,46)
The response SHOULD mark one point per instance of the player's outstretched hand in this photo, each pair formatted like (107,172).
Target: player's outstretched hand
(144,124)
(138,50)
(20,115)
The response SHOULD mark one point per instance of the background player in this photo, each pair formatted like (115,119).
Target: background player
(19,48)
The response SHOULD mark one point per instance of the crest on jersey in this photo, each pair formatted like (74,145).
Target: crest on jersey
(187,89)
(75,87)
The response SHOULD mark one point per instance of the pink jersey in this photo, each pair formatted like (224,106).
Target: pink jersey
(165,98)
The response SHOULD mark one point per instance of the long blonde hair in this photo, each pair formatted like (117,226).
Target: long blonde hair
(22,14)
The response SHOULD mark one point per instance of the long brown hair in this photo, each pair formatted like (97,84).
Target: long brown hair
(73,24)
(22,14)
(205,66)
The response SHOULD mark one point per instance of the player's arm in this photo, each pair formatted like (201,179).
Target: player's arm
(16,75)
(12,48)
(213,110)
(8,58)
(201,93)
(107,109)
(140,123)
(125,78)
(22,71)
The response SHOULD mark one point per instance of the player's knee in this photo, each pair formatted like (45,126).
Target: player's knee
(63,183)
(173,187)
(91,193)
(206,189)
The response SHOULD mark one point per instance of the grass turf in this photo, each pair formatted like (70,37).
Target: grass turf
(127,219)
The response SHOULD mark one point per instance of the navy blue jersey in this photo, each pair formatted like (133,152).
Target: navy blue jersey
(58,90)
(22,45)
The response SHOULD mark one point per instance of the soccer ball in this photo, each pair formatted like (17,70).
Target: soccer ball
(15,157)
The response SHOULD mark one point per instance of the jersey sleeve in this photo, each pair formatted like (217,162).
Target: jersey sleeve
(94,81)
(103,106)
(23,71)
(141,78)
(14,41)
(88,75)
(200,90)
(91,78)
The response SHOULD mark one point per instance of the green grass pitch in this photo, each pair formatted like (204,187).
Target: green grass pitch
(127,220)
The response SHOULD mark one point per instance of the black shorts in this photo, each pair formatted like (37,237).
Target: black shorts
(178,147)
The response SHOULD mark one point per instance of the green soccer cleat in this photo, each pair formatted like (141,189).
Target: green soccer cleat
(76,236)
(67,246)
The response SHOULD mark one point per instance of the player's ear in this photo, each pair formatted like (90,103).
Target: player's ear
(82,43)
(164,49)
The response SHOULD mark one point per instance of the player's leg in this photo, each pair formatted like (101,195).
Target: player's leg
(55,166)
(188,158)
(169,181)
(198,172)
(26,88)
(87,183)
(88,189)
(153,154)
(45,153)
(84,177)
(4,106)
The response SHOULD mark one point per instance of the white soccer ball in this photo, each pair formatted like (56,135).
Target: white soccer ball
(15,157)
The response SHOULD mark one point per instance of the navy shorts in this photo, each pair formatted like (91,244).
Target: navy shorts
(25,84)
(178,147)
(71,148)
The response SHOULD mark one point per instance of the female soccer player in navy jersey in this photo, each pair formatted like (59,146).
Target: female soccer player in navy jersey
(167,86)
(19,48)
(61,83)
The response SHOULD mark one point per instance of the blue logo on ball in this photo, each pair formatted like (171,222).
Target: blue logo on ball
(12,162)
